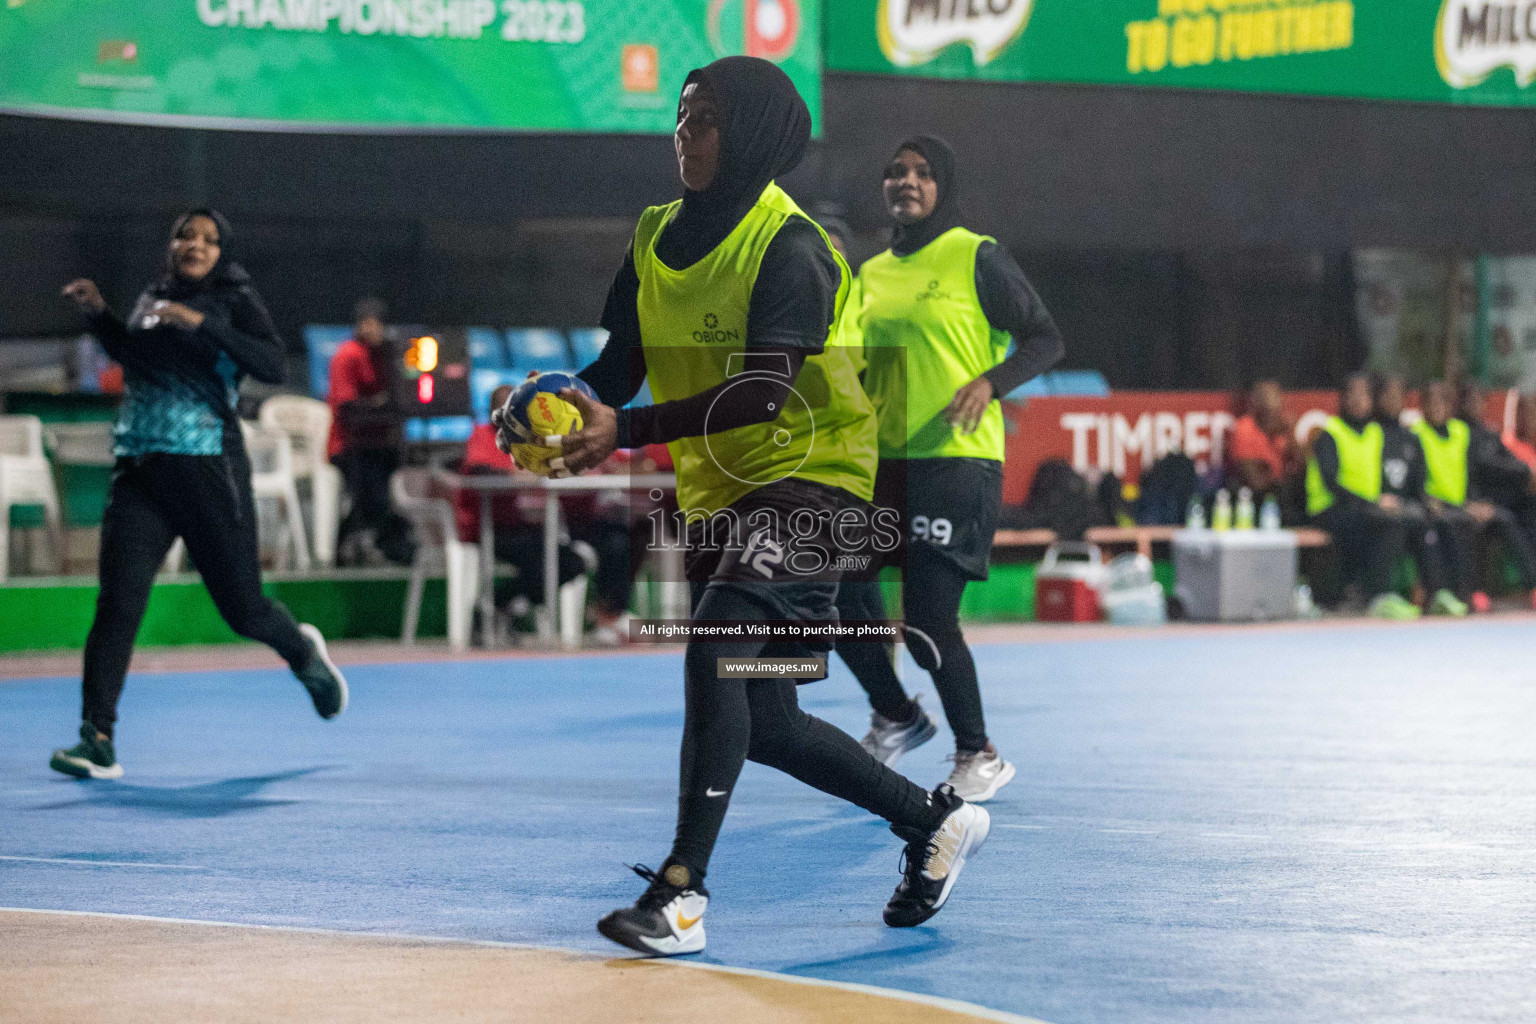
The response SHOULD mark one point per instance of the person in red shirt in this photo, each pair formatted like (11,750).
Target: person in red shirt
(1262,454)
(365,437)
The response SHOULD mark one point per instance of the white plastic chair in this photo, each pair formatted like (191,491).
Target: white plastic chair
(272,476)
(307,423)
(438,548)
(26,479)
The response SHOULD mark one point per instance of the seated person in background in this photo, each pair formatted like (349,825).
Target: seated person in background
(1522,439)
(1344,497)
(1262,454)
(1500,487)
(365,438)
(518,518)
(1403,475)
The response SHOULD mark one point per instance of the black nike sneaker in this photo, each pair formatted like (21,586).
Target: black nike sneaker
(667,919)
(932,861)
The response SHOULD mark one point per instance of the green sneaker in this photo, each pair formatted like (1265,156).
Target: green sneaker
(1446,603)
(324,681)
(91,758)
(1393,606)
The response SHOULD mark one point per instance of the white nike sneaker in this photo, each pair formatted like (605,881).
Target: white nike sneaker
(978,775)
(887,741)
(667,919)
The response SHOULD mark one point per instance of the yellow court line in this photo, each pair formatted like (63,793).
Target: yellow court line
(937,1002)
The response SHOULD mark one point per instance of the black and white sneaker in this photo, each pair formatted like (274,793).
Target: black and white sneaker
(887,741)
(326,685)
(932,861)
(667,919)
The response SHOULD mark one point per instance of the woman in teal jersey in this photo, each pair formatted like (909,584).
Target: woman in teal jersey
(723,304)
(937,313)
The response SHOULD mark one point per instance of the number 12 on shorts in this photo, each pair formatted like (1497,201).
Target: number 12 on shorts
(938,531)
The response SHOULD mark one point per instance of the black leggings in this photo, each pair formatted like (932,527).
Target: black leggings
(205,500)
(931,603)
(730,721)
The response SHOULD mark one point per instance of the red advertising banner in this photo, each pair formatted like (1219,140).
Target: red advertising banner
(1130,430)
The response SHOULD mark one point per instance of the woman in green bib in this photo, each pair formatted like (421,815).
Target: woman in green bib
(723,305)
(937,313)
(1344,497)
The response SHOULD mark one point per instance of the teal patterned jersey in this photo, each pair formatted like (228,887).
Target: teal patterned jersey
(180,385)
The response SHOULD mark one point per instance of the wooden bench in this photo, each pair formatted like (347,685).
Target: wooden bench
(1140,537)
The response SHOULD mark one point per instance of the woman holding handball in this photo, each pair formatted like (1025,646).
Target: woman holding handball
(724,304)
(936,315)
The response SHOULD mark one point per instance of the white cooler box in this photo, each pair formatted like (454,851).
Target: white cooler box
(1235,575)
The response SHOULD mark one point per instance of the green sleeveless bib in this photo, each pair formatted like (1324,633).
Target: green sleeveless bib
(925,337)
(1359,464)
(1445,460)
(693,327)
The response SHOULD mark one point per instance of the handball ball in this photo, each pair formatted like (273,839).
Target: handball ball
(535,411)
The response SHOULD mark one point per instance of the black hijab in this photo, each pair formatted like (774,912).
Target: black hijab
(225,273)
(908,238)
(764,129)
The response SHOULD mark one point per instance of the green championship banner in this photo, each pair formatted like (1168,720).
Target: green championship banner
(1458,51)
(521,65)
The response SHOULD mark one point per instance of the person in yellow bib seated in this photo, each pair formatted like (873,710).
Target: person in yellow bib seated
(723,304)
(1455,449)
(937,314)
(1344,497)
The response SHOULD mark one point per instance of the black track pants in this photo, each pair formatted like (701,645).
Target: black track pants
(206,500)
(931,592)
(729,721)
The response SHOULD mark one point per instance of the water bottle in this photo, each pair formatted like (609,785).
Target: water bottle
(1194,519)
(1269,515)
(1244,517)
(1221,514)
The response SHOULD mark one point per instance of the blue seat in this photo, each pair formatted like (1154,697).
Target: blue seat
(1077,382)
(321,342)
(587,344)
(450,428)
(487,348)
(537,348)
(482,383)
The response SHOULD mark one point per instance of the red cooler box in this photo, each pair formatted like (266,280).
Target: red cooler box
(1069,582)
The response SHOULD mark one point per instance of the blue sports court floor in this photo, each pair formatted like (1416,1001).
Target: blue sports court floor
(1331,824)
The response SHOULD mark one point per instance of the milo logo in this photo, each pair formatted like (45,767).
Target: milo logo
(1474,38)
(914,31)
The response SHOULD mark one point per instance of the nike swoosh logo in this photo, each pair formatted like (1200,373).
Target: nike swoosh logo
(715,792)
(684,923)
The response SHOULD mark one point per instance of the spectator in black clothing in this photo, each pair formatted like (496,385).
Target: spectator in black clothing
(1500,487)
(1403,475)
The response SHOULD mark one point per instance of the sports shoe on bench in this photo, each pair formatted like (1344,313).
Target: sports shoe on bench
(979,774)
(91,758)
(667,919)
(320,676)
(887,741)
(932,861)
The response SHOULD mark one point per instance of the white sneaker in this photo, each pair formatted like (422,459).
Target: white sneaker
(886,740)
(667,920)
(979,775)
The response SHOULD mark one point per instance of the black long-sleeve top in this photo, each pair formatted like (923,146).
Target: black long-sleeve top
(1403,470)
(1010,304)
(1496,473)
(180,384)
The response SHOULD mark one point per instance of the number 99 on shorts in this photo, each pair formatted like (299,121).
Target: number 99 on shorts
(935,531)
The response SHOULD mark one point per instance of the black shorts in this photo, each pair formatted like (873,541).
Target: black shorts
(948,505)
(780,546)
